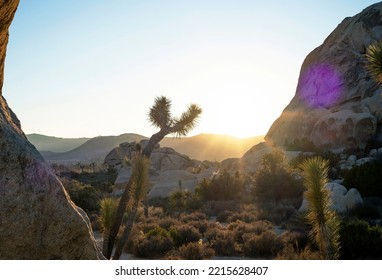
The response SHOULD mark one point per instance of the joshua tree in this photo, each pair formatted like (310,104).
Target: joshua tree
(138,191)
(374,61)
(108,208)
(322,220)
(160,117)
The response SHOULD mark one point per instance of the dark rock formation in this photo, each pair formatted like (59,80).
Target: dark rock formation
(37,218)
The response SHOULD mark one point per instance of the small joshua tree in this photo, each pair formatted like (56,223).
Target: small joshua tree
(322,219)
(374,61)
(108,208)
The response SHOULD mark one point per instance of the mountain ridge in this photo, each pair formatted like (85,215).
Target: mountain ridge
(214,147)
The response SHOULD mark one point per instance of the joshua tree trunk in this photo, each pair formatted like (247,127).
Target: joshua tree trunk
(105,236)
(154,140)
(118,219)
(126,233)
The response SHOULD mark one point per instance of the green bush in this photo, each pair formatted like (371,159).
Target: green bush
(183,234)
(222,187)
(84,196)
(366,178)
(359,240)
(275,181)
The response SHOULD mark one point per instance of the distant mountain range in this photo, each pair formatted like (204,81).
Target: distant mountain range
(202,147)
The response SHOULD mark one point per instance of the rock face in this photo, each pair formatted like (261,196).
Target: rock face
(37,218)
(337,105)
(168,169)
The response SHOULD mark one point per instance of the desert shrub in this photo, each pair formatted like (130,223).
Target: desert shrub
(195,251)
(222,241)
(183,234)
(148,225)
(84,196)
(168,222)
(366,178)
(182,200)
(359,240)
(290,252)
(158,231)
(278,212)
(152,246)
(275,181)
(194,216)
(156,212)
(214,208)
(239,228)
(101,180)
(202,225)
(297,239)
(242,216)
(223,216)
(267,244)
(222,187)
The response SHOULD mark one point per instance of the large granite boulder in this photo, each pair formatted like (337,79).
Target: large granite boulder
(337,105)
(37,218)
(167,169)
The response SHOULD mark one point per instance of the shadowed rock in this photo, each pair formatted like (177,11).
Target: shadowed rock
(337,105)
(37,218)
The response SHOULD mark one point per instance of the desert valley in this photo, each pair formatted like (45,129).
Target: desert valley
(308,189)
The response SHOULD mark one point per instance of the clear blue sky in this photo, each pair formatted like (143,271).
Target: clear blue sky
(93,67)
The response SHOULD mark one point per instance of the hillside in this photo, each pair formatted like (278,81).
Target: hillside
(203,147)
(55,144)
(93,150)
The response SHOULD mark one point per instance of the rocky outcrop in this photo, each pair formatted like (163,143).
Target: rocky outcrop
(168,169)
(251,160)
(337,105)
(37,218)
(342,200)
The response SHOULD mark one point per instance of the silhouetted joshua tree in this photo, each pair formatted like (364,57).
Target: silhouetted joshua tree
(160,117)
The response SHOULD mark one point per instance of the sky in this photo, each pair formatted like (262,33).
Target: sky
(94,67)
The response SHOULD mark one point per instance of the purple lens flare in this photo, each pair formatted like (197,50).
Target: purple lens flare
(320,86)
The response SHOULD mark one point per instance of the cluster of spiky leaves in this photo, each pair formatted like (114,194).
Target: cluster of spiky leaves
(374,61)
(160,116)
(108,208)
(140,179)
(322,219)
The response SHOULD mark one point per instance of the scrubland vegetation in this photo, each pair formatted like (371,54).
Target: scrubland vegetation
(235,215)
